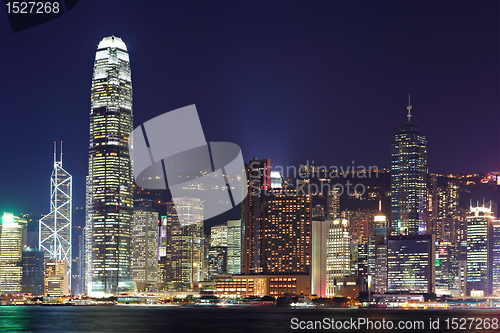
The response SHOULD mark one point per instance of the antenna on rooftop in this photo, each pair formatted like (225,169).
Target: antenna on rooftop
(409,109)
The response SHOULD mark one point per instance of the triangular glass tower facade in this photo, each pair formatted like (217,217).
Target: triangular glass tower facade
(55,227)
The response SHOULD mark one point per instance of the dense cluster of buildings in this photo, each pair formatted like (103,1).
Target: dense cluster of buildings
(291,238)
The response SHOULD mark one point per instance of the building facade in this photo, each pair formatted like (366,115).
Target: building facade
(287,230)
(169,247)
(234,247)
(338,253)
(253,215)
(11,247)
(495,258)
(56,278)
(145,248)
(479,238)
(110,178)
(192,245)
(319,240)
(447,269)
(33,272)
(218,235)
(411,264)
(264,285)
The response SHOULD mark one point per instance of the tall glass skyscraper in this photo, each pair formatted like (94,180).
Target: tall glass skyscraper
(479,237)
(410,250)
(145,248)
(409,180)
(234,247)
(110,179)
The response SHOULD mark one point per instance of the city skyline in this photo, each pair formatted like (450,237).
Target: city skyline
(322,74)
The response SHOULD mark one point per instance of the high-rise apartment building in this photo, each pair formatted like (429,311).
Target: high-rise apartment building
(234,247)
(408,180)
(11,247)
(55,228)
(110,179)
(145,248)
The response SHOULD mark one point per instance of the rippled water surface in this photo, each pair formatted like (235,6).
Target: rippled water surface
(231,319)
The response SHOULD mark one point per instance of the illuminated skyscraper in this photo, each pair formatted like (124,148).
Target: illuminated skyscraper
(145,248)
(479,263)
(55,228)
(109,181)
(287,230)
(444,217)
(377,253)
(234,247)
(190,243)
(409,180)
(169,247)
(338,253)
(11,247)
(333,204)
(447,269)
(411,264)
(253,215)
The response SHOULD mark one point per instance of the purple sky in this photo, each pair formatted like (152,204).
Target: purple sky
(289,81)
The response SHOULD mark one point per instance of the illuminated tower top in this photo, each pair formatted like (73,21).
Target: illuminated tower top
(408,180)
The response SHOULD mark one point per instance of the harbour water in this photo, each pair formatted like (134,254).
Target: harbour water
(237,319)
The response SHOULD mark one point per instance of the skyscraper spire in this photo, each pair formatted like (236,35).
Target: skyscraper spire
(60,160)
(54,153)
(409,109)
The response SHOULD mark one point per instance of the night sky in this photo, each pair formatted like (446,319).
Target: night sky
(289,81)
